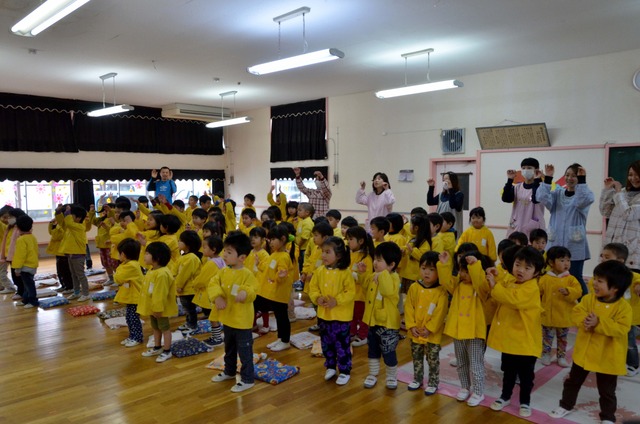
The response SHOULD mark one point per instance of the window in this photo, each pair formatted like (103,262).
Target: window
(289,188)
(37,199)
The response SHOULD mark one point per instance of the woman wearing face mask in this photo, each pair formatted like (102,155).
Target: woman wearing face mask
(380,201)
(527,213)
(318,197)
(451,199)
(569,207)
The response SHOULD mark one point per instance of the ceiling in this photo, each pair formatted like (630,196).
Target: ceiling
(168,51)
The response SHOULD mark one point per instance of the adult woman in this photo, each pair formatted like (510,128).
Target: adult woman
(450,199)
(380,201)
(622,207)
(569,208)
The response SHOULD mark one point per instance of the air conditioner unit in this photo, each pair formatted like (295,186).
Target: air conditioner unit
(194,112)
(452,141)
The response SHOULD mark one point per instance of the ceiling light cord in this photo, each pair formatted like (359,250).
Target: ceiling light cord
(279,39)
(103,96)
(428,66)
(304,34)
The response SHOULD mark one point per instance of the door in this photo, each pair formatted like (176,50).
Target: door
(465,170)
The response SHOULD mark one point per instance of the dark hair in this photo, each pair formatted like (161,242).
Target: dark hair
(191,240)
(5,209)
(269,214)
(530,162)
(478,211)
(258,232)
(17,212)
(160,252)
(143,199)
(636,167)
(249,212)
(200,213)
(359,233)
(453,177)
(338,246)
(424,230)
(460,252)
(204,199)
(319,219)
(214,243)
(277,213)
(349,222)
(530,256)
(436,219)
(384,178)
(194,197)
(557,252)
(283,231)
(396,222)
(323,228)
(268,225)
(125,206)
(307,207)
(519,238)
(509,257)
(448,217)
(618,276)
(334,213)
(575,167)
(213,228)
(483,259)
(126,214)
(620,250)
(123,199)
(418,210)
(220,223)
(292,204)
(389,252)
(239,241)
(165,167)
(381,223)
(179,203)
(171,223)
(537,234)
(157,218)
(78,212)
(430,258)
(504,244)
(130,248)
(24,223)
(250,197)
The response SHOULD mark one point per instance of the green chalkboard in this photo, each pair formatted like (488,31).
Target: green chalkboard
(619,160)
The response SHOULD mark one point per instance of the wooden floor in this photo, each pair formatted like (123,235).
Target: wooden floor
(59,369)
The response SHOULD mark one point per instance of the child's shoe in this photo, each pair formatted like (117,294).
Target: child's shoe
(241,387)
(131,343)
(545,359)
(222,377)
(499,404)
(370,381)
(263,330)
(125,341)
(475,400)
(559,412)
(83,298)
(391,383)
(343,379)
(280,346)
(563,362)
(329,374)
(73,296)
(525,411)
(357,341)
(414,385)
(631,371)
(153,351)
(213,341)
(29,306)
(16,297)
(453,362)
(184,327)
(272,344)
(164,356)
(462,395)
(430,390)
(314,327)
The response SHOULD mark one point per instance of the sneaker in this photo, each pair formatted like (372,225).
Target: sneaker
(462,395)
(222,377)
(125,341)
(109,282)
(59,290)
(525,411)
(263,330)
(7,291)
(499,404)
(453,362)
(545,359)
(83,298)
(19,303)
(131,343)
(475,400)
(280,346)
(272,344)
(298,285)
(213,341)
(343,379)
(559,412)
(67,291)
(357,341)
(184,327)
(73,296)
(631,371)
(29,306)
(241,387)
(164,356)
(16,297)
(414,385)
(329,374)
(314,327)
(563,363)
(189,330)
(370,381)
(391,383)
(152,351)
(293,319)
(430,390)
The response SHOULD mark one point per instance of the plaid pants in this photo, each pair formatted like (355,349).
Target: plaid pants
(432,352)
(470,356)
(547,340)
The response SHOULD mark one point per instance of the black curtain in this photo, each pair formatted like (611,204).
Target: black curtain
(287,173)
(298,131)
(83,193)
(54,174)
(35,124)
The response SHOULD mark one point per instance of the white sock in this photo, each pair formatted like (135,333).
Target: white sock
(392,373)
(374,366)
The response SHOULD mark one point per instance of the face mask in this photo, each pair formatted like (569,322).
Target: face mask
(318,184)
(445,186)
(11,221)
(528,174)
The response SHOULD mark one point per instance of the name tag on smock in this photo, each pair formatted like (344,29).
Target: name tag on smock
(484,242)
(273,264)
(432,307)
(150,288)
(234,290)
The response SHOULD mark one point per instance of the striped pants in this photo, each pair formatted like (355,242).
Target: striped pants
(470,356)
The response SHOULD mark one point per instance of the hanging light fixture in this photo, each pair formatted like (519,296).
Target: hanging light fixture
(420,88)
(111,109)
(304,59)
(45,15)
(232,121)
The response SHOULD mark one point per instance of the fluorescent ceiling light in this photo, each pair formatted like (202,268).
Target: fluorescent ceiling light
(110,110)
(47,14)
(421,88)
(228,122)
(296,61)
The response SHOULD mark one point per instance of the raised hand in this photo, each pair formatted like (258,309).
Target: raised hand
(444,257)
(362,185)
(431,182)
(617,186)
(297,172)
(608,182)
(318,175)
(549,170)
(582,171)
(471,260)
(154,173)
(511,174)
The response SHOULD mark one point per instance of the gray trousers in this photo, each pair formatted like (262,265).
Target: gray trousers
(5,282)
(76,266)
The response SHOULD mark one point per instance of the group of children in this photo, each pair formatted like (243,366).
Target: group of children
(415,275)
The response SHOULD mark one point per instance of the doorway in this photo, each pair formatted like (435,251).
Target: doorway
(465,169)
